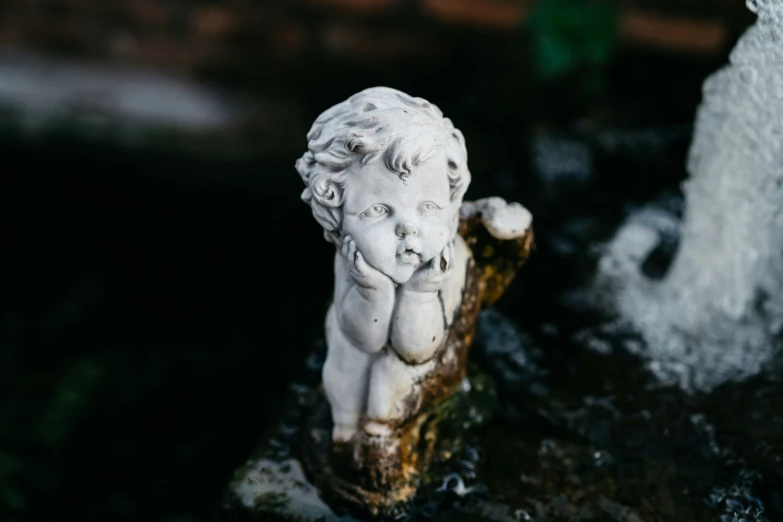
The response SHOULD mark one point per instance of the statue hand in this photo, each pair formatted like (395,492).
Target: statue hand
(366,278)
(434,275)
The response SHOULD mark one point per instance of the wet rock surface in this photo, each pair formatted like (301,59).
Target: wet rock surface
(585,435)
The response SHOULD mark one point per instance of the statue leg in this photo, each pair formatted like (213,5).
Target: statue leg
(346,375)
(394,392)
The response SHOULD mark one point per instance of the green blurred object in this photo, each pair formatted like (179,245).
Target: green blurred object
(10,496)
(568,34)
(44,422)
(70,399)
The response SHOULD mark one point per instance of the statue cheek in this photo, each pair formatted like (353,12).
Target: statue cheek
(439,231)
(379,242)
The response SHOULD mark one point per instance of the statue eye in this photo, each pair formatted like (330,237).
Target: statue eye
(428,207)
(375,211)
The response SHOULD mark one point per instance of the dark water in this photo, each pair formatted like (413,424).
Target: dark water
(155,310)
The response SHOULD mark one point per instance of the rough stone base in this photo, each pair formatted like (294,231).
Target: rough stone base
(273,488)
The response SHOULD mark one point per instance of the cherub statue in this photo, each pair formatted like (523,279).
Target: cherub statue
(385,174)
(385,177)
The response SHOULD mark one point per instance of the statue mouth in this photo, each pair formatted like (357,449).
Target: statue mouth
(409,256)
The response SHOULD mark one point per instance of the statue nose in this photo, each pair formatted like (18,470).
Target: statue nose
(407,229)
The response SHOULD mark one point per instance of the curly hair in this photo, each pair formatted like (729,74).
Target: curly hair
(403,131)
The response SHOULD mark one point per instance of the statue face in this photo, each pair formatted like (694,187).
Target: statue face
(398,225)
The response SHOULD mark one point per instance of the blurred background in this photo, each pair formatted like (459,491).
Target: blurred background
(162,283)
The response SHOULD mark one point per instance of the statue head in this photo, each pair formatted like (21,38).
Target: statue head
(390,171)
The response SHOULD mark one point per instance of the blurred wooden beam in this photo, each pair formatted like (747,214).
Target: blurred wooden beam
(703,36)
(359,6)
(485,14)
(219,34)
(638,27)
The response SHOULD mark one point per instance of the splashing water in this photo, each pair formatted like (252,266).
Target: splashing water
(717,315)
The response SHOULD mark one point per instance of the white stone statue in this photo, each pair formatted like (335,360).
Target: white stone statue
(385,175)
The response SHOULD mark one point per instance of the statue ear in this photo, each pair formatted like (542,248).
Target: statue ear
(327,192)
(325,197)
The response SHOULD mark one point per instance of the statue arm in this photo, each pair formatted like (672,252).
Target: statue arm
(418,325)
(363,313)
